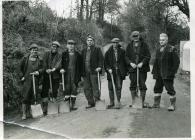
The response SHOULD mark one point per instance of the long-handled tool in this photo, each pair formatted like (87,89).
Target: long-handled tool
(114,89)
(138,101)
(52,106)
(64,106)
(36,109)
(100,105)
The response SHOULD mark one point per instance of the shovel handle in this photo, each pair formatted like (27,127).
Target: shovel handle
(137,80)
(63,81)
(50,82)
(34,89)
(99,84)
(113,85)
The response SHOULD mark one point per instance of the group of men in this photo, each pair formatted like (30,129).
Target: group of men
(117,62)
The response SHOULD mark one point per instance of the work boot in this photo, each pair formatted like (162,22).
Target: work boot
(172,103)
(23,111)
(133,96)
(28,112)
(144,104)
(73,104)
(157,99)
(44,107)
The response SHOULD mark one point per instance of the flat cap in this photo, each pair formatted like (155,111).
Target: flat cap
(32,46)
(71,42)
(89,36)
(56,43)
(135,34)
(115,40)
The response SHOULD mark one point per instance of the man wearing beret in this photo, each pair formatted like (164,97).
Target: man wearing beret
(51,65)
(138,56)
(30,64)
(115,64)
(92,63)
(165,67)
(71,67)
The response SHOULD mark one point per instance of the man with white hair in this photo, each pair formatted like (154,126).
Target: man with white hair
(165,67)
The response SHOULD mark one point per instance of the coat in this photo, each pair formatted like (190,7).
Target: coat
(110,61)
(166,64)
(78,65)
(55,63)
(143,55)
(27,83)
(96,60)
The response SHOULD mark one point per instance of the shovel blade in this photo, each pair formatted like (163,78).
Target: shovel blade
(64,107)
(137,103)
(36,111)
(100,105)
(52,108)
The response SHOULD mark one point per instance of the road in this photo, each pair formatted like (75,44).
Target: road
(123,123)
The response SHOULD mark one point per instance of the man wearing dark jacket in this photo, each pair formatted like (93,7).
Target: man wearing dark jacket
(51,65)
(114,63)
(138,55)
(71,67)
(165,67)
(92,63)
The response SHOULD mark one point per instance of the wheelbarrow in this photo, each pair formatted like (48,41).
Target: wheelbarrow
(36,109)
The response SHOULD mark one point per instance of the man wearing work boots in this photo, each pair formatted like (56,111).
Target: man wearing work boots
(115,64)
(71,67)
(92,63)
(30,64)
(165,67)
(138,55)
(51,65)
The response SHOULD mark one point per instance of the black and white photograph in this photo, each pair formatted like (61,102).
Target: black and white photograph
(96,69)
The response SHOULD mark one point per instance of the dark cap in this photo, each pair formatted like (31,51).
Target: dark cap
(135,34)
(115,40)
(89,36)
(56,43)
(33,46)
(71,42)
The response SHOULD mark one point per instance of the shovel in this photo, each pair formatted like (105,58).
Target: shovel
(114,89)
(52,106)
(64,106)
(36,109)
(138,101)
(100,105)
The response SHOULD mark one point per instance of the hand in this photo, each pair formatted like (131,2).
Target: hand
(48,71)
(82,79)
(140,65)
(36,73)
(98,69)
(62,71)
(110,70)
(133,65)
(22,79)
(53,69)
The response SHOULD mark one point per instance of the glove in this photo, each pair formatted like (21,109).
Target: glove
(133,65)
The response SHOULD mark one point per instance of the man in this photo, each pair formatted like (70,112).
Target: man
(30,64)
(71,66)
(92,63)
(115,64)
(165,67)
(51,65)
(138,55)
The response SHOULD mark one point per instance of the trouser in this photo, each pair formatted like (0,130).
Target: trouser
(118,85)
(91,90)
(168,83)
(142,81)
(46,87)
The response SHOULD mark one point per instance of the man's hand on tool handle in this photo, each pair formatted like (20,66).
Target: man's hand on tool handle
(98,69)
(133,65)
(110,70)
(35,73)
(140,65)
(62,71)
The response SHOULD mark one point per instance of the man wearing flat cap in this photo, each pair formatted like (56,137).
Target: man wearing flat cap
(30,64)
(115,64)
(138,56)
(51,65)
(92,59)
(71,67)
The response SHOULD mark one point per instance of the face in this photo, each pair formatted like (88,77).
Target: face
(115,44)
(70,47)
(90,42)
(135,37)
(54,48)
(34,51)
(163,40)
